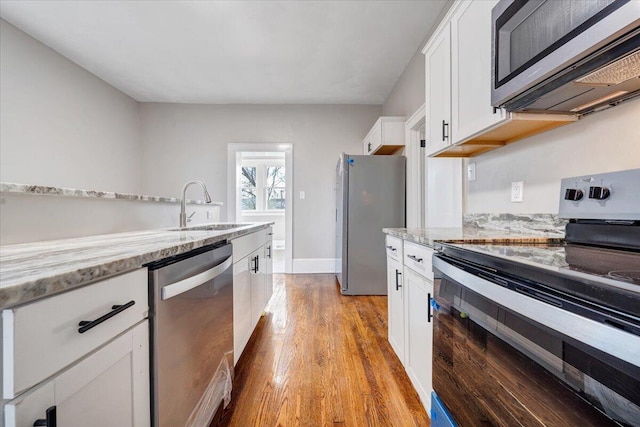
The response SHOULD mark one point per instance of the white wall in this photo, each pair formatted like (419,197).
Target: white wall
(31,218)
(408,93)
(182,142)
(59,124)
(602,142)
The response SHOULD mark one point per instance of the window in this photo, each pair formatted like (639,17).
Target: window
(262,185)
(248,188)
(275,188)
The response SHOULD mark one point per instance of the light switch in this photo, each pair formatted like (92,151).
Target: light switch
(302,195)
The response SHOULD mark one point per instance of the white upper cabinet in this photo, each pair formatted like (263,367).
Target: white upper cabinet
(471,109)
(438,91)
(460,119)
(385,137)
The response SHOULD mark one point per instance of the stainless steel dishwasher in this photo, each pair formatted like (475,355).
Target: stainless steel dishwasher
(191,336)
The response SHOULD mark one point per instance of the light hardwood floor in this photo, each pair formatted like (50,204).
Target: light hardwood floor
(321,359)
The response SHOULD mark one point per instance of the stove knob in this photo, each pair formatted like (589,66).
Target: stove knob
(599,193)
(573,194)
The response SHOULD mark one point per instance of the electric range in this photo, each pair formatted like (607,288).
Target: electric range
(546,334)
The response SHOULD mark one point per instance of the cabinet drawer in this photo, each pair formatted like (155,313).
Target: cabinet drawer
(41,338)
(243,246)
(394,248)
(418,258)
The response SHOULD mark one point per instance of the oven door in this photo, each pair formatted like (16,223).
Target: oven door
(505,357)
(535,39)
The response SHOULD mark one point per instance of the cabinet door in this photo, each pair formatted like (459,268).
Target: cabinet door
(395,305)
(110,387)
(366,145)
(438,92)
(376,136)
(268,269)
(256,270)
(471,110)
(242,326)
(419,333)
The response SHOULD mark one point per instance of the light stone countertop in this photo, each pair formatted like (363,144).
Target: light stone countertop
(431,236)
(31,271)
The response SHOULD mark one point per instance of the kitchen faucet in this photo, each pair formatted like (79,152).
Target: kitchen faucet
(183,202)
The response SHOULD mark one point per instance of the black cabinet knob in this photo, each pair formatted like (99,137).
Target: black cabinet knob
(599,193)
(573,194)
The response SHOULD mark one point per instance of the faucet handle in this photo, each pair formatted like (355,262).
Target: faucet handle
(190,216)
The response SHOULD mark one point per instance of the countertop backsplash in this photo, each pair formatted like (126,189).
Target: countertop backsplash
(517,223)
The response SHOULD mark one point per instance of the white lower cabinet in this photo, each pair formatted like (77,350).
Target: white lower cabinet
(80,357)
(257,274)
(242,326)
(419,347)
(396,302)
(109,387)
(268,270)
(409,303)
(252,285)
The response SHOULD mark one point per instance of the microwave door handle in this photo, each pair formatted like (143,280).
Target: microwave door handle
(189,283)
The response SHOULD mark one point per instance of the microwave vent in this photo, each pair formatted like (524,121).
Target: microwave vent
(619,71)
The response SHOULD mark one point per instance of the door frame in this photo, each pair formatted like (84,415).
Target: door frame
(416,215)
(234,150)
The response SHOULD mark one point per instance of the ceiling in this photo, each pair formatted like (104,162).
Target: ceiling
(220,52)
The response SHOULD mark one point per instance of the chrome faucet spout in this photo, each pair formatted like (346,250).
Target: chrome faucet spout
(183,202)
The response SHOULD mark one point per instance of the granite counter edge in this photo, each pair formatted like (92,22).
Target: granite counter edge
(33,290)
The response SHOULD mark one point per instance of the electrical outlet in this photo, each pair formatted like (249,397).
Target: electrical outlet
(209,214)
(517,191)
(471,172)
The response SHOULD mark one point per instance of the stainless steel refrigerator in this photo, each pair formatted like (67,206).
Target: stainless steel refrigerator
(370,196)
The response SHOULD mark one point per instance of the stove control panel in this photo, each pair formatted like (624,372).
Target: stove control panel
(609,196)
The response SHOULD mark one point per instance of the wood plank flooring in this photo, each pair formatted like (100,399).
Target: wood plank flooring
(318,358)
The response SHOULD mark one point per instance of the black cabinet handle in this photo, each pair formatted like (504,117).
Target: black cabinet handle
(445,129)
(398,285)
(391,248)
(50,420)
(85,325)
(369,147)
(415,258)
(495,110)
(269,252)
(429,315)
(256,260)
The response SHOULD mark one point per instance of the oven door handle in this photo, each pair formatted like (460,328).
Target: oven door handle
(189,283)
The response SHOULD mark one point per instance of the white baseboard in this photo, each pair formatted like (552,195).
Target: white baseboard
(314,265)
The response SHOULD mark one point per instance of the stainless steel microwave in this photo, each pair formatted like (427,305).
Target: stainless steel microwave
(575,56)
